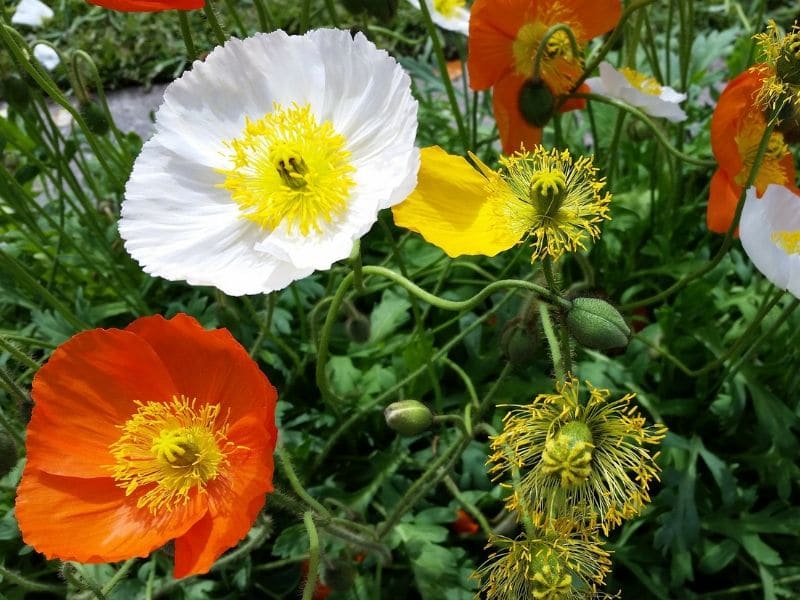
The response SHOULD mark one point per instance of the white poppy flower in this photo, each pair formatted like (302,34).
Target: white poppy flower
(770,233)
(452,15)
(47,56)
(638,90)
(32,13)
(270,159)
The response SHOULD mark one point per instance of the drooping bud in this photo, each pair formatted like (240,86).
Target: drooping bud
(8,453)
(15,91)
(596,324)
(358,328)
(536,102)
(519,343)
(95,118)
(338,574)
(408,417)
(569,454)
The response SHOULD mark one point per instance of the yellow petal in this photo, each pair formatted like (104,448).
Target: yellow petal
(450,207)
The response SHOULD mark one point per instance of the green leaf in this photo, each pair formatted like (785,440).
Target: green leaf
(389,315)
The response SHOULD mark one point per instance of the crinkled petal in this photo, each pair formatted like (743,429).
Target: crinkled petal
(32,13)
(515,131)
(450,210)
(723,196)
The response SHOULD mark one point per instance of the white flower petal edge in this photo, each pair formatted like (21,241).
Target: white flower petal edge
(47,56)
(458,22)
(778,210)
(614,84)
(32,13)
(177,221)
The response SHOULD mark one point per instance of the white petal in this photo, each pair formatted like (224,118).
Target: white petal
(597,86)
(613,80)
(32,13)
(47,56)
(458,22)
(179,224)
(777,210)
(615,85)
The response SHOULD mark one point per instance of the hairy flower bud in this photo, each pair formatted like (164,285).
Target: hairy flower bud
(596,324)
(95,117)
(408,417)
(536,102)
(8,453)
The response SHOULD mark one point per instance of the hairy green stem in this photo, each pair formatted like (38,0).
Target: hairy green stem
(212,15)
(186,32)
(313,556)
(298,488)
(31,586)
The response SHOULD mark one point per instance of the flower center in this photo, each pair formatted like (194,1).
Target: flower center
(643,83)
(288,168)
(448,8)
(559,66)
(547,191)
(569,454)
(789,241)
(170,449)
(748,139)
(549,581)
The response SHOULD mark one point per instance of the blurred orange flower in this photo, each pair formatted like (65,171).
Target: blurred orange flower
(504,36)
(148,5)
(737,127)
(161,431)
(464,523)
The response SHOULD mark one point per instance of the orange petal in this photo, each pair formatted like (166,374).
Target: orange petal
(515,132)
(233,502)
(722,200)
(210,366)
(91,520)
(83,393)
(148,5)
(595,17)
(493,26)
(736,101)
(575,103)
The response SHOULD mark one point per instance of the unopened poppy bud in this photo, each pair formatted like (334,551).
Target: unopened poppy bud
(95,118)
(15,91)
(408,417)
(638,131)
(358,328)
(8,453)
(596,324)
(339,574)
(536,102)
(519,344)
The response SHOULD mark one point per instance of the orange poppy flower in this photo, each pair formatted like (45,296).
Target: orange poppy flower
(148,5)
(504,36)
(737,127)
(464,523)
(160,431)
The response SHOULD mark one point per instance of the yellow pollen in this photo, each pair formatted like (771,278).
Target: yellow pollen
(748,139)
(559,66)
(290,170)
(169,449)
(789,241)
(448,8)
(643,83)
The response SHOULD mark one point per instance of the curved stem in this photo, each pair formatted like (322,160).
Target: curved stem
(29,585)
(118,576)
(552,342)
(298,488)
(540,51)
(662,139)
(210,11)
(313,556)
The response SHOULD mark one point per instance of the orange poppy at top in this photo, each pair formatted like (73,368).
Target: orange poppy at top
(504,37)
(160,431)
(737,127)
(148,5)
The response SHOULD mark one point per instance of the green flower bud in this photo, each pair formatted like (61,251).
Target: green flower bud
(16,92)
(358,328)
(638,131)
(95,118)
(519,344)
(408,417)
(536,102)
(596,324)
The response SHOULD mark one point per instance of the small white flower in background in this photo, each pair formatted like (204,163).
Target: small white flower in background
(270,159)
(770,233)
(47,56)
(452,15)
(32,13)
(638,90)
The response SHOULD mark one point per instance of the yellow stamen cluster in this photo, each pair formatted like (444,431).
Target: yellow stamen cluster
(289,169)
(641,82)
(560,563)
(559,65)
(555,200)
(590,458)
(169,451)
(780,90)
(748,139)
(448,8)
(789,241)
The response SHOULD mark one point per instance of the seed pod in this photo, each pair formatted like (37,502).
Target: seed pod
(536,102)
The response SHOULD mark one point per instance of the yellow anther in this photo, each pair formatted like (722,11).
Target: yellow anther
(789,241)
